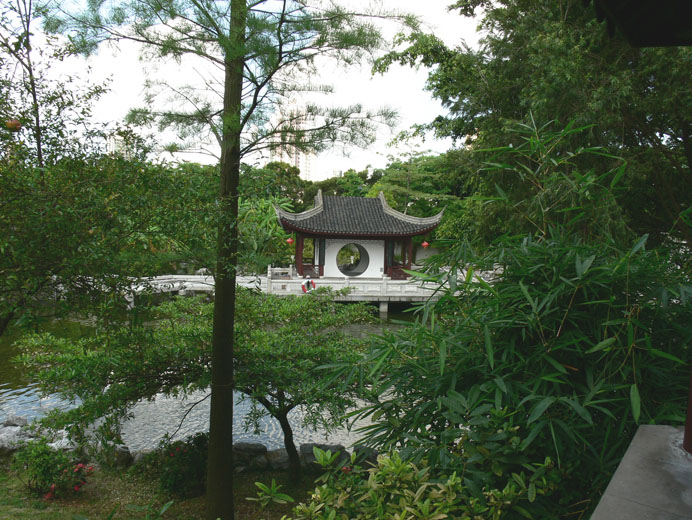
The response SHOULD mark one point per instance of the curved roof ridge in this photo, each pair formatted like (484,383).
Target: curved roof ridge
(355,216)
(317,208)
(408,218)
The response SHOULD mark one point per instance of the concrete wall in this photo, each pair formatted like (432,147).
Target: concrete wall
(375,249)
(422,254)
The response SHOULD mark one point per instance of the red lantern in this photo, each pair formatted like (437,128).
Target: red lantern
(290,241)
(13,125)
(425,245)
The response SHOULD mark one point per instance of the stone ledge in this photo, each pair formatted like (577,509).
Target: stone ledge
(653,480)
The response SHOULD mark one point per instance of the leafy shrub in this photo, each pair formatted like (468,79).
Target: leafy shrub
(399,489)
(563,340)
(270,494)
(280,344)
(572,344)
(183,465)
(49,471)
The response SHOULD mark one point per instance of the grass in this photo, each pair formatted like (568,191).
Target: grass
(110,491)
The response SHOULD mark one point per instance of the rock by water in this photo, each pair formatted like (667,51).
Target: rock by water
(15,431)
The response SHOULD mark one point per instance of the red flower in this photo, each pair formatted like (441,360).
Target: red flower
(50,494)
(76,488)
(346,469)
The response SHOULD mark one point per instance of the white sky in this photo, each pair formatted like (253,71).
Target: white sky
(402,88)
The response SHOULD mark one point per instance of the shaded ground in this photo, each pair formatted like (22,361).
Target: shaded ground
(108,491)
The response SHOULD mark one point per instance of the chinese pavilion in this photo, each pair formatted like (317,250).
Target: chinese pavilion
(354,236)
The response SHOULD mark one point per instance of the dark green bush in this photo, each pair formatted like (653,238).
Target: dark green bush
(574,345)
(570,337)
(183,465)
(49,471)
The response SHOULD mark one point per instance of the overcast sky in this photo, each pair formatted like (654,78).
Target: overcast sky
(402,88)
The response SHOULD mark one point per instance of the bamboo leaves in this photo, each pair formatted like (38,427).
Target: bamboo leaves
(635,402)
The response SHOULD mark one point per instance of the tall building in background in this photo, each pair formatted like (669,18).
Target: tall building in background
(291,119)
(295,157)
(118,145)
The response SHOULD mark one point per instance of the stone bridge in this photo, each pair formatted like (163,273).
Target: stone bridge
(285,282)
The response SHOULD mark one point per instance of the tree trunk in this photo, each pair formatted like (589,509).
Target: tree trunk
(27,16)
(4,323)
(294,467)
(220,462)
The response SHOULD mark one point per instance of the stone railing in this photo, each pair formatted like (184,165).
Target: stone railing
(360,289)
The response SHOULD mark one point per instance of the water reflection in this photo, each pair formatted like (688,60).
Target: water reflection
(27,402)
(153,419)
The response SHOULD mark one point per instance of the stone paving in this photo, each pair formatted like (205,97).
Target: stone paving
(653,480)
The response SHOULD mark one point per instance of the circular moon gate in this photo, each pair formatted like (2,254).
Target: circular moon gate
(352,260)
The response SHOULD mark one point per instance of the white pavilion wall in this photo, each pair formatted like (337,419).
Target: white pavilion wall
(375,249)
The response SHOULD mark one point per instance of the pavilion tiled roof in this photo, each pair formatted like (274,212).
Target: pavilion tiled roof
(355,216)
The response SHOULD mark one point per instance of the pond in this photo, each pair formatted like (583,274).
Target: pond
(153,419)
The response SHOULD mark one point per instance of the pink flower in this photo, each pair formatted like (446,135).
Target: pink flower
(50,494)
(346,469)
(76,488)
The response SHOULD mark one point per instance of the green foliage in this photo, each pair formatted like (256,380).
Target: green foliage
(554,343)
(277,44)
(262,240)
(259,53)
(331,463)
(348,184)
(537,181)
(565,337)
(82,226)
(275,180)
(540,182)
(48,471)
(352,184)
(280,344)
(75,221)
(555,61)
(270,494)
(396,488)
(54,110)
(183,465)
(420,186)
(307,333)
